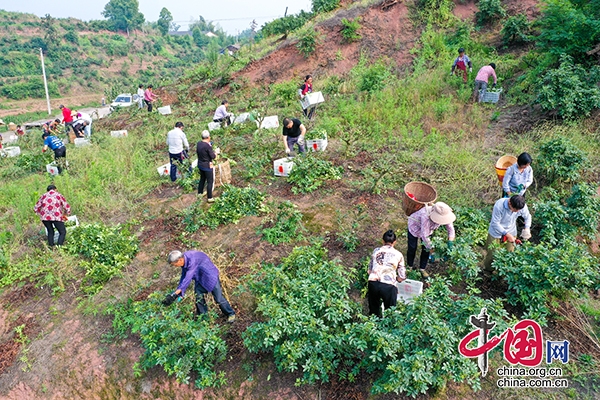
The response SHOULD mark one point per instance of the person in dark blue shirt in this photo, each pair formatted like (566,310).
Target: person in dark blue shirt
(56,145)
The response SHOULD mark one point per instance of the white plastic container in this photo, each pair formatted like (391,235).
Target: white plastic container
(82,142)
(165,170)
(9,139)
(243,117)
(408,290)
(283,166)
(491,97)
(12,151)
(72,218)
(52,169)
(166,110)
(316,144)
(195,163)
(312,99)
(214,125)
(117,134)
(271,122)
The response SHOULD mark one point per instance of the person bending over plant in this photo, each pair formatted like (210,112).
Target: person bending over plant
(385,269)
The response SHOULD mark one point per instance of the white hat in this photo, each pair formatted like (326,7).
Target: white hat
(442,214)
(1,122)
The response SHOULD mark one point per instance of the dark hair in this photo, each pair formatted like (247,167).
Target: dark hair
(493,65)
(523,159)
(307,77)
(286,121)
(461,50)
(141,86)
(224,102)
(389,237)
(179,125)
(45,135)
(57,120)
(50,187)
(61,106)
(517,201)
(150,86)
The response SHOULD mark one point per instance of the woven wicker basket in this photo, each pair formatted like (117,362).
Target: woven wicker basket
(424,194)
(502,165)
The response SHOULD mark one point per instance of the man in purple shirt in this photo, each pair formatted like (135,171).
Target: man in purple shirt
(197,266)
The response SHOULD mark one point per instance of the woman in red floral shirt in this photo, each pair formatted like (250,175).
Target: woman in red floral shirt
(53,210)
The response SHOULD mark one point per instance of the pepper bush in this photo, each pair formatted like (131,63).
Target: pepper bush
(310,173)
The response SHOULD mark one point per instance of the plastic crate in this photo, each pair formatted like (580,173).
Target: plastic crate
(408,289)
(10,139)
(491,97)
(72,218)
(243,117)
(312,99)
(166,110)
(214,125)
(82,142)
(271,122)
(165,170)
(316,144)
(283,166)
(118,134)
(52,169)
(12,151)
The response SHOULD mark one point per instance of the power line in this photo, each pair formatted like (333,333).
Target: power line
(229,19)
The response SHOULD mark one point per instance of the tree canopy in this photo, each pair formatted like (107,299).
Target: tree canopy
(123,14)
(164,21)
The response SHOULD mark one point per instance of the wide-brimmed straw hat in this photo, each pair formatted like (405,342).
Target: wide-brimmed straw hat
(442,214)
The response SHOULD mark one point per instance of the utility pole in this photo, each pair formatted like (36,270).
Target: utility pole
(45,81)
(285,14)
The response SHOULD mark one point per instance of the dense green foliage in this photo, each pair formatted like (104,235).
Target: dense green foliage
(311,171)
(285,25)
(182,345)
(489,10)
(350,30)
(284,227)
(321,6)
(516,29)
(123,14)
(234,204)
(308,41)
(560,160)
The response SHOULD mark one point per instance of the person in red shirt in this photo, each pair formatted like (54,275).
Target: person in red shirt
(67,117)
(52,208)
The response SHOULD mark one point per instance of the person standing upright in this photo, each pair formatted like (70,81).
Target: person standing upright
(140,93)
(304,90)
(462,62)
(67,117)
(178,146)
(206,155)
(482,79)
(52,208)
(149,97)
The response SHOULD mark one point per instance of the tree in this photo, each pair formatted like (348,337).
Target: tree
(50,31)
(123,14)
(164,21)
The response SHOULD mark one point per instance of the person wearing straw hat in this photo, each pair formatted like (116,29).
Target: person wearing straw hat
(197,266)
(421,225)
(503,226)
(385,269)
(518,177)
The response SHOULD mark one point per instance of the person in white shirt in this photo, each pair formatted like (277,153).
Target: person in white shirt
(85,117)
(140,94)
(178,147)
(385,269)
(221,114)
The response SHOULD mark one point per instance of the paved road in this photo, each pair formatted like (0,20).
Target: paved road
(95,113)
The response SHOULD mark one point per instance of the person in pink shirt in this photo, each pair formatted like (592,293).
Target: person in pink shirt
(149,97)
(482,79)
(52,208)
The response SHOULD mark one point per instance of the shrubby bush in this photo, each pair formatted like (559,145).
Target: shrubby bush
(310,173)
(350,30)
(560,160)
(284,227)
(307,44)
(489,10)
(372,78)
(322,6)
(515,29)
(285,25)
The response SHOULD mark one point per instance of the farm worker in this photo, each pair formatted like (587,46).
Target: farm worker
(305,89)
(178,147)
(53,209)
(482,78)
(293,133)
(385,269)
(67,117)
(206,155)
(197,266)
(20,130)
(140,93)
(518,177)
(88,128)
(421,225)
(503,226)
(221,114)
(79,126)
(461,62)
(149,97)
(57,145)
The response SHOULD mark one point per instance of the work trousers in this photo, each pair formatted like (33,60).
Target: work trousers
(207,177)
(217,293)
(174,159)
(378,292)
(60,227)
(411,252)
(298,140)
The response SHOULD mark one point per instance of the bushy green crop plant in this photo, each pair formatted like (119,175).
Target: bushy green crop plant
(554,219)
(305,304)
(174,340)
(33,162)
(233,205)
(285,25)
(372,78)
(311,171)
(560,160)
(309,38)
(489,10)
(285,92)
(114,246)
(515,29)
(414,348)
(350,29)
(284,227)
(583,207)
(537,274)
(348,224)
(323,6)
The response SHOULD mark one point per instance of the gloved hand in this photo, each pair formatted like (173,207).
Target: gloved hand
(450,244)
(451,73)
(526,234)
(471,69)
(43,150)
(520,187)
(218,151)
(169,299)
(287,151)
(431,257)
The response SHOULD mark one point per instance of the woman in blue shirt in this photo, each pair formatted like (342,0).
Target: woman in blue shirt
(518,177)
